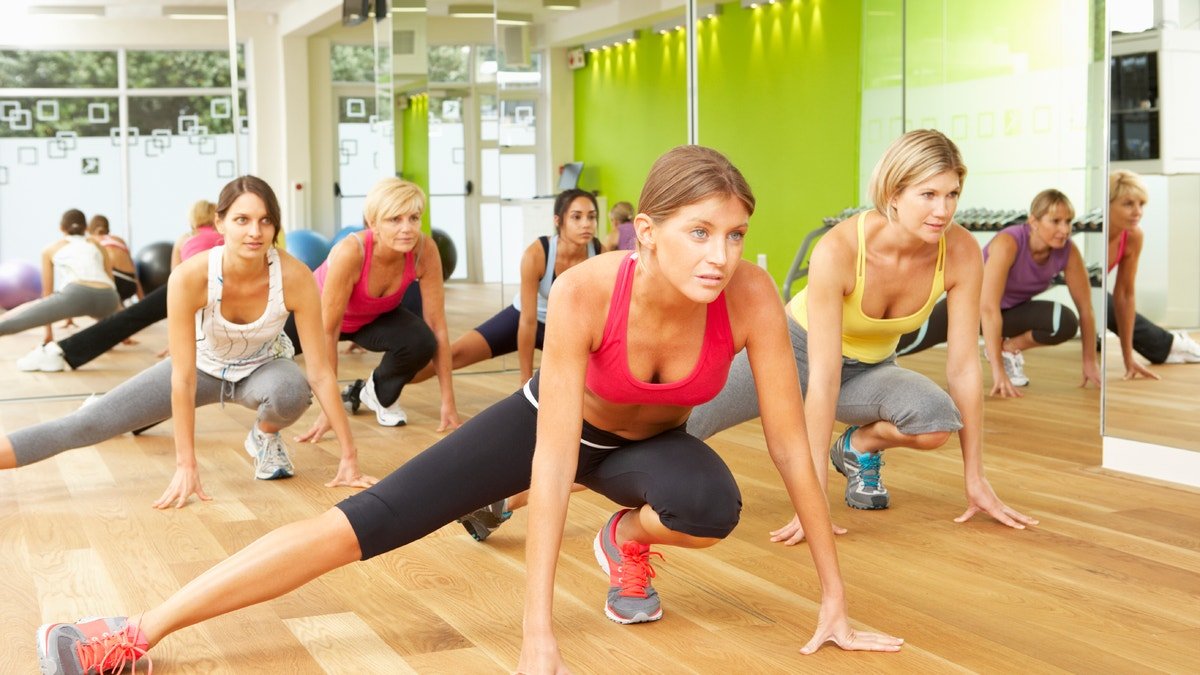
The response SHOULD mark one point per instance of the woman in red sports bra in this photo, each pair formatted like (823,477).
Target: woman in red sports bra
(632,343)
(1126,199)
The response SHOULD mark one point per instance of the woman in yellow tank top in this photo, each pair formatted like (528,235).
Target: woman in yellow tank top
(872,278)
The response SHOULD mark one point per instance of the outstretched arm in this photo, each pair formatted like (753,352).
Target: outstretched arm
(1080,288)
(344,267)
(1002,251)
(433,303)
(533,266)
(1124,307)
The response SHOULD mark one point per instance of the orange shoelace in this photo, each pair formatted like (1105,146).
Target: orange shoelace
(111,652)
(635,569)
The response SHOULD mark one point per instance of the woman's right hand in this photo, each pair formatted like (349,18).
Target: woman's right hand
(793,533)
(540,656)
(1133,370)
(317,431)
(1003,387)
(185,483)
(833,626)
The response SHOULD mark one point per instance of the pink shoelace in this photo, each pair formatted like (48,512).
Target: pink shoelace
(635,568)
(111,652)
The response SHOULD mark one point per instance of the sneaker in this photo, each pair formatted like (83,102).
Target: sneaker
(481,523)
(47,358)
(271,459)
(864,488)
(631,598)
(1183,349)
(91,646)
(389,416)
(350,396)
(1014,367)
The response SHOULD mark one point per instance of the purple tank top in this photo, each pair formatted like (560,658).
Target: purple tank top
(626,237)
(1026,278)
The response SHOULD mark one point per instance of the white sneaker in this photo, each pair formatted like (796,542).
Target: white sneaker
(1183,349)
(271,459)
(1014,367)
(390,416)
(47,358)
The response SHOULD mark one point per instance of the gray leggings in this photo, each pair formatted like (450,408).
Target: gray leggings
(277,389)
(72,301)
(870,392)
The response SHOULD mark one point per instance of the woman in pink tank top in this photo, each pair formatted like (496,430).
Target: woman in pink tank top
(1127,200)
(363,285)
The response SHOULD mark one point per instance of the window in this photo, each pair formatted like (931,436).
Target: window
(57,69)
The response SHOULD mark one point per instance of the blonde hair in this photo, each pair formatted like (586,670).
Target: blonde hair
(203,213)
(1048,199)
(622,212)
(1123,182)
(915,157)
(689,174)
(392,197)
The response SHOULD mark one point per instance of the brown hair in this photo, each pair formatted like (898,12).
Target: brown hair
(1048,199)
(689,174)
(255,186)
(915,157)
(98,225)
(202,214)
(622,212)
(563,202)
(1122,182)
(73,222)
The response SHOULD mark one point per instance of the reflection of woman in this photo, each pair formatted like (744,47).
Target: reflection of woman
(611,406)
(521,327)
(123,270)
(362,283)
(1127,197)
(621,236)
(873,278)
(226,311)
(1021,262)
(86,276)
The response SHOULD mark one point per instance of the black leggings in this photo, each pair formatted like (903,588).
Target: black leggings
(404,338)
(1149,340)
(491,457)
(1051,322)
(108,332)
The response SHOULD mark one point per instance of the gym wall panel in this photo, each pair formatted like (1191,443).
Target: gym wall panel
(415,134)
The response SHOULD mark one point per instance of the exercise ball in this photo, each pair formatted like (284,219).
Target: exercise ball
(345,232)
(310,247)
(154,265)
(20,282)
(446,250)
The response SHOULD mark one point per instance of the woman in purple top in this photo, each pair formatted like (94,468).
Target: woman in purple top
(621,237)
(1020,262)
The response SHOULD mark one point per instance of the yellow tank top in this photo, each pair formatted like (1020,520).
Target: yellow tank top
(865,338)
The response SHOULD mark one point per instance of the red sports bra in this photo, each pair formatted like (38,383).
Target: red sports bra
(608,373)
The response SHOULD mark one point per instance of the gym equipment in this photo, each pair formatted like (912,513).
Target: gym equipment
(20,282)
(446,251)
(153,263)
(310,247)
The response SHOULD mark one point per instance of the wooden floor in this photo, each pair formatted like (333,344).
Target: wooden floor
(1110,582)
(1162,412)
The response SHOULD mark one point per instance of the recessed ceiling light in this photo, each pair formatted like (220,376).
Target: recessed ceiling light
(472,11)
(561,5)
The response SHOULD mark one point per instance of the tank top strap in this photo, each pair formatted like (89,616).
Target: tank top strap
(368,248)
(216,257)
(618,306)
(551,260)
(941,259)
(860,261)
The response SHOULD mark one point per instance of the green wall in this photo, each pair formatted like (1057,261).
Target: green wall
(630,107)
(414,162)
(779,94)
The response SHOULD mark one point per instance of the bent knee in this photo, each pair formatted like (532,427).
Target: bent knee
(931,440)
(289,403)
(708,516)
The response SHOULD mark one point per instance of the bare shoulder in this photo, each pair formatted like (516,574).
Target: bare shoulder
(962,246)
(751,295)
(191,277)
(348,251)
(839,243)
(591,279)
(292,269)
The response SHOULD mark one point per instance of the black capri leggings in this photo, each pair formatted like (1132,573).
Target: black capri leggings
(1051,322)
(491,456)
(500,331)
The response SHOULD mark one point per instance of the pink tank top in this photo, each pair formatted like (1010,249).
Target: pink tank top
(109,241)
(1120,250)
(206,237)
(362,309)
(608,373)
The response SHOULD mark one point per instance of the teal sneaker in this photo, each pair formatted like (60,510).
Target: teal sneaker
(481,523)
(864,486)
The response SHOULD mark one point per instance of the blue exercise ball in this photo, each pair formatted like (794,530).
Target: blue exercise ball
(345,232)
(446,251)
(20,282)
(310,247)
(154,265)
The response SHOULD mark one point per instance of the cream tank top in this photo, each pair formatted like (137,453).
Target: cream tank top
(79,260)
(231,351)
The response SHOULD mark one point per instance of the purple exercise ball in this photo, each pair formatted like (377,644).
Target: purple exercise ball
(20,282)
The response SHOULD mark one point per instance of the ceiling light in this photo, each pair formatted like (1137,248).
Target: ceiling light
(408,6)
(626,37)
(68,12)
(513,19)
(561,5)
(194,13)
(472,11)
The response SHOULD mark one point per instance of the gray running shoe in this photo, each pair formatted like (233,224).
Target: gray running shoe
(864,487)
(351,396)
(481,523)
(271,460)
(631,598)
(1014,367)
(90,646)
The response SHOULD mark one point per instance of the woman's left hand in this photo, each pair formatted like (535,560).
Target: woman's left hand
(1133,370)
(981,497)
(833,626)
(449,419)
(348,475)
(1090,374)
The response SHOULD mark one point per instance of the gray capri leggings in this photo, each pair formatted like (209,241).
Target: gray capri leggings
(72,301)
(277,389)
(870,392)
